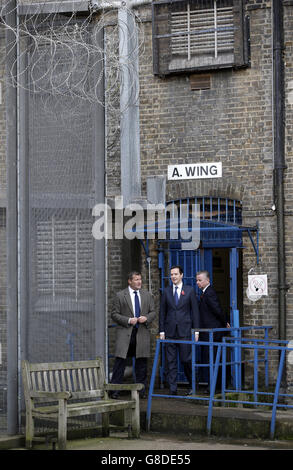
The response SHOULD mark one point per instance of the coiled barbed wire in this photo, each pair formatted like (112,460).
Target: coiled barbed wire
(71,54)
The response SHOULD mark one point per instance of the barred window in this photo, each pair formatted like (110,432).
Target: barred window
(198,34)
(63,252)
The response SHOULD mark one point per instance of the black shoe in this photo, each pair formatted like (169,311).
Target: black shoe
(114,395)
(173,392)
(189,392)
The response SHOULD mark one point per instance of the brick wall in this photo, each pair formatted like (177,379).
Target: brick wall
(232,123)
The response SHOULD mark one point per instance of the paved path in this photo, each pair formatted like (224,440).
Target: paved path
(156,441)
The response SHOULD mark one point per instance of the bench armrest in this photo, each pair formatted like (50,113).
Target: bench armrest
(130,387)
(51,395)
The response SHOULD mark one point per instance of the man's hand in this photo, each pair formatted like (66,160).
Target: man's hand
(162,335)
(132,321)
(196,335)
(142,319)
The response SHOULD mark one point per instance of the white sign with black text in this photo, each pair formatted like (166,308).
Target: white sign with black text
(195,171)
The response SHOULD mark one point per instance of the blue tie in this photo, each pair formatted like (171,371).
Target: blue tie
(137,306)
(176,295)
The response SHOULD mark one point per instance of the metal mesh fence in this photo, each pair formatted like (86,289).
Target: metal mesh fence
(55,59)
(61,318)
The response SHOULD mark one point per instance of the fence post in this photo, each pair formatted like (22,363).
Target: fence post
(276,394)
(152,383)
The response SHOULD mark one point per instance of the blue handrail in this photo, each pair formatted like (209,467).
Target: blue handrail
(238,343)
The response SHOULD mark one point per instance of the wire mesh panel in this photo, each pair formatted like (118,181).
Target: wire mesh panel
(61,181)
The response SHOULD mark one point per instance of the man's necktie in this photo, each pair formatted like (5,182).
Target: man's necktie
(137,306)
(176,295)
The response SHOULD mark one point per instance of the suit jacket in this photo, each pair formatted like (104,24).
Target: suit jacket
(211,313)
(122,310)
(184,316)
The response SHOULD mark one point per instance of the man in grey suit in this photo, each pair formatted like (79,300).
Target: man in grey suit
(133,311)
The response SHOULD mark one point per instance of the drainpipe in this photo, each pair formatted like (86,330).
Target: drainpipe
(279,155)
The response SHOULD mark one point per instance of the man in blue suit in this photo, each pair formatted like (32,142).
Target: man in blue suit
(179,313)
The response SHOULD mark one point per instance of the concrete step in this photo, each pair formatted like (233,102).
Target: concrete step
(181,415)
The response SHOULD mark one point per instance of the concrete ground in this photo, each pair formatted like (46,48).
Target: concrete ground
(152,441)
(156,441)
(180,426)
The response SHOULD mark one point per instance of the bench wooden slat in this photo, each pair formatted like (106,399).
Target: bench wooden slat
(85,379)
(96,378)
(46,383)
(33,379)
(80,382)
(57,381)
(63,381)
(74,380)
(85,408)
(91,382)
(51,380)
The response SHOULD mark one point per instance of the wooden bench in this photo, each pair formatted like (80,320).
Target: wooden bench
(56,390)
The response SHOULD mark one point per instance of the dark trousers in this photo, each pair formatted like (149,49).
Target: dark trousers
(140,364)
(171,350)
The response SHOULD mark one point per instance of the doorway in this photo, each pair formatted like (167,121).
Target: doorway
(223,264)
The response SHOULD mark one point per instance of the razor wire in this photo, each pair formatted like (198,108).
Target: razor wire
(68,54)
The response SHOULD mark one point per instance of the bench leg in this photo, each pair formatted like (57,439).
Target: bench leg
(29,431)
(62,425)
(105,425)
(135,416)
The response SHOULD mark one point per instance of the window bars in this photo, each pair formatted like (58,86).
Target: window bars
(207,31)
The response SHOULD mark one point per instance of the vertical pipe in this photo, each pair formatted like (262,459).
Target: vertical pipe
(12,222)
(279,155)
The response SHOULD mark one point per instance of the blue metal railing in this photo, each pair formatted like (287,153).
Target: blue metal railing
(239,344)
(237,334)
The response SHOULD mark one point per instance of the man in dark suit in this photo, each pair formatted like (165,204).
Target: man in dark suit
(211,316)
(178,315)
(133,311)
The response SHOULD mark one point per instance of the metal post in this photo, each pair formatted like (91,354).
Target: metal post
(213,388)
(152,383)
(12,222)
(99,247)
(277,389)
